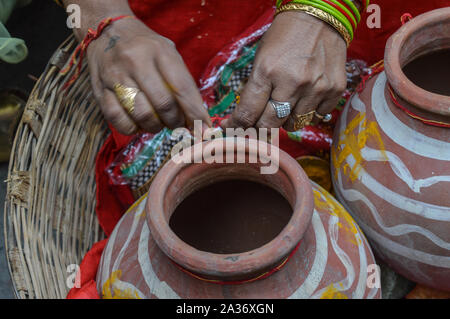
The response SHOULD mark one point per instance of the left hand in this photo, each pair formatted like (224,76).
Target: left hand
(301,60)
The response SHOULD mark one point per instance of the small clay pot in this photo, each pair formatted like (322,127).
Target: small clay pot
(391,170)
(320,252)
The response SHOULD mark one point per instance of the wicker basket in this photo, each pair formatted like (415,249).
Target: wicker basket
(50,219)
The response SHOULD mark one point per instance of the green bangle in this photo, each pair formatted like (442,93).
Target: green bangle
(354,8)
(335,13)
(351,15)
(357,17)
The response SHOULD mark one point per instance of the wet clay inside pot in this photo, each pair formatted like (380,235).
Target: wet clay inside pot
(431,72)
(231,216)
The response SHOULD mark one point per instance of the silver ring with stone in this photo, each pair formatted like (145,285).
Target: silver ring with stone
(282,109)
(324,118)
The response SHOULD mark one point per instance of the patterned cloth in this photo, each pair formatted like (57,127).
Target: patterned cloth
(139,170)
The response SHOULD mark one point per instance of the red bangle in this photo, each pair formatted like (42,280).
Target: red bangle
(348,8)
(81,49)
(343,12)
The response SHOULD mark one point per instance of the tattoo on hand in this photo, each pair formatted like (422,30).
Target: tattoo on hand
(112,42)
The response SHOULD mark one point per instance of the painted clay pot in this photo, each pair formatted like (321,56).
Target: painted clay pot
(392,171)
(320,252)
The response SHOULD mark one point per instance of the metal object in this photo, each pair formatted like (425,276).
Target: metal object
(126,96)
(282,109)
(303,120)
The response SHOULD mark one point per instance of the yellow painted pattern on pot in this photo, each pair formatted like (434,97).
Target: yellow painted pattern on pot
(332,293)
(323,201)
(117,293)
(351,144)
(136,204)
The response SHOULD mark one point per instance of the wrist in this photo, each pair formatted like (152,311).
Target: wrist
(342,15)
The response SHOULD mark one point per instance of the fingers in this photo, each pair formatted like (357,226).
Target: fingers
(331,100)
(144,114)
(304,106)
(307,102)
(281,93)
(181,85)
(254,100)
(327,106)
(160,97)
(115,114)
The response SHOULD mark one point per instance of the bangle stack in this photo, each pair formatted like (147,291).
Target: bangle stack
(342,15)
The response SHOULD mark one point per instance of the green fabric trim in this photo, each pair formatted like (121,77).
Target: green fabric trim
(147,153)
(295,136)
(225,103)
(247,57)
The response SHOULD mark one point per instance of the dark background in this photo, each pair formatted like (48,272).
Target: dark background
(42,25)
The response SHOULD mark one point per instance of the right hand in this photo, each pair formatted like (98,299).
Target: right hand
(131,54)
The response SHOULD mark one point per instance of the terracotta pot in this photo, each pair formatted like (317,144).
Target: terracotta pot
(392,171)
(144,258)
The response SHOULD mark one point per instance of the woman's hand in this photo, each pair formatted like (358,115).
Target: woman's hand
(130,54)
(301,60)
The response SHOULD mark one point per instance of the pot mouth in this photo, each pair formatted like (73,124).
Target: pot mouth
(425,34)
(174,177)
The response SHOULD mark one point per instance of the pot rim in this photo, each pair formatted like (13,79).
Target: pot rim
(231,266)
(402,85)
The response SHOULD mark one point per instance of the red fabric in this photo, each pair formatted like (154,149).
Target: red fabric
(200,28)
(112,200)
(369,44)
(88,272)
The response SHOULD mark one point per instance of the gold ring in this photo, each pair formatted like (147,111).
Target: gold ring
(324,118)
(126,96)
(303,120)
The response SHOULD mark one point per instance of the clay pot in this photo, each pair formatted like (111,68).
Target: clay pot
(392,171)
(144,258)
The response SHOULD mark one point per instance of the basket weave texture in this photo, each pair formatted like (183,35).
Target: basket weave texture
(50,220)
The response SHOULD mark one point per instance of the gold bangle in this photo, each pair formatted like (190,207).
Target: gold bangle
(322,15)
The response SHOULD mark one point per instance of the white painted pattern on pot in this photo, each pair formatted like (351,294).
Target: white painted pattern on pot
(397,165)
(352,195)
(420,208)
(129,238)
(346,283)
(312,281)
(400,133)
(106,256)
(308,289)
(416,143)
(156,287)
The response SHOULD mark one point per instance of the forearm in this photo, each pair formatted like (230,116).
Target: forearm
(92,12)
